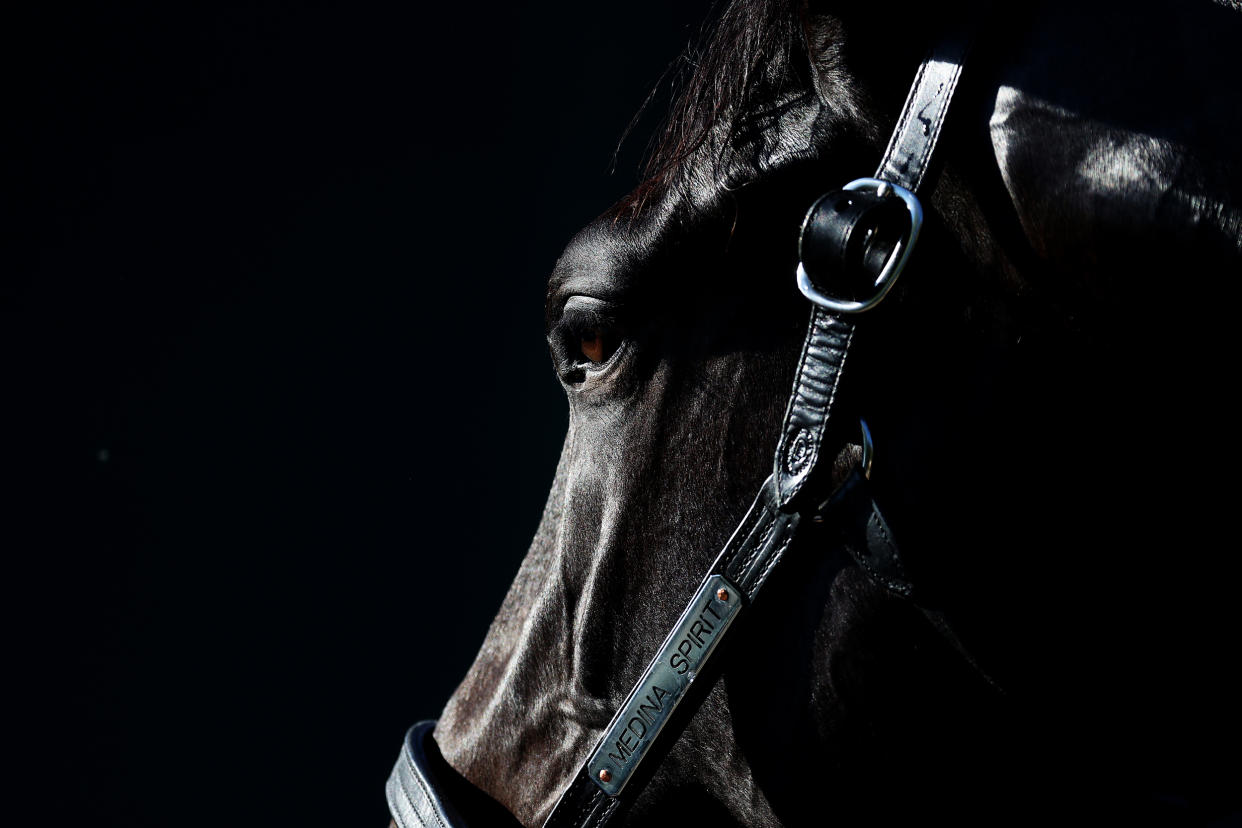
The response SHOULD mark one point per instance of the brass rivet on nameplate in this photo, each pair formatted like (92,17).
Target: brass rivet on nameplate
(722,594)
(605,775)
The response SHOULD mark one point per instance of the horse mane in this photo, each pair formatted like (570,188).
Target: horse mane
(754,54)
(752,51)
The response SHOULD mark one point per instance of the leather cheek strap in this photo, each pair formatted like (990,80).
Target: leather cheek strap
(811,403)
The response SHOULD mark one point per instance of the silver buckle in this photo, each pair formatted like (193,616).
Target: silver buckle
(892,268)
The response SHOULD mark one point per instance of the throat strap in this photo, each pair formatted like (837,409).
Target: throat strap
(678,676)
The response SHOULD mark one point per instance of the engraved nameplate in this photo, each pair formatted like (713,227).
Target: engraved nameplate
(681,657)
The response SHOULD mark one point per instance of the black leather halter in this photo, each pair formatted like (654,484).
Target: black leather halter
(854,244)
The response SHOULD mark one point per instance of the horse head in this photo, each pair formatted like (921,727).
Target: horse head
(675,325)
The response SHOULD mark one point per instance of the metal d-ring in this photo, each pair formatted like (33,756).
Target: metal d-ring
(896,260)
(868,449)
(864,465)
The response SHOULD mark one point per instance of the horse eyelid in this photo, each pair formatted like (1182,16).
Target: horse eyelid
(585,312)
(585,321)
(585,338)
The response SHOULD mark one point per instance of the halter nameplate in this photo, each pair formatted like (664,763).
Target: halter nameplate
(652,701)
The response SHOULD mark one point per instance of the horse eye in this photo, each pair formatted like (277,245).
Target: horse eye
(597,345)
(587,335)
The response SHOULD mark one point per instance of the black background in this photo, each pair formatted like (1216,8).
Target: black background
(279,414)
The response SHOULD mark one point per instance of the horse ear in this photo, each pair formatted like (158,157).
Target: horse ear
(879,41)
(826,41)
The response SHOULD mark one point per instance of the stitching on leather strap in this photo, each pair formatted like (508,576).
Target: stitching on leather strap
(787,427)
(941,117)
(737,540)
(418,779)
(906,112)
(742,568)
(822,421)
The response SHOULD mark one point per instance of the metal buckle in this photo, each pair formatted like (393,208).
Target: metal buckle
(892,268)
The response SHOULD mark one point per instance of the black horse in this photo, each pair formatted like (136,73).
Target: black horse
(1048,391)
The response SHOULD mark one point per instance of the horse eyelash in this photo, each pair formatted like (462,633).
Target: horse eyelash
(583,319)
(580,322)
(576,324)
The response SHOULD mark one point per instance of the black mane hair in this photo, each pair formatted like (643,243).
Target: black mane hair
(755,55)
(754,50)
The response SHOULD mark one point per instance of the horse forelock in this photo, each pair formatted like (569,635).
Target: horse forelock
(756,60)
(757,57)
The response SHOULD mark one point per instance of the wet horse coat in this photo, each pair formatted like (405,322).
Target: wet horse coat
(1062,331)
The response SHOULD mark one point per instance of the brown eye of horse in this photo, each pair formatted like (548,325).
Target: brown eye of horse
(597,346)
